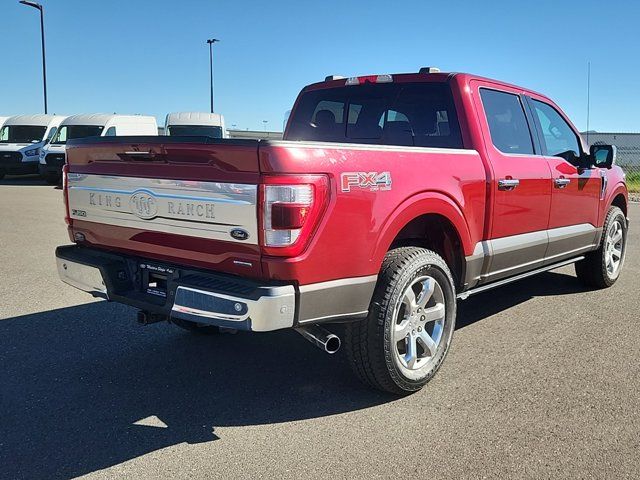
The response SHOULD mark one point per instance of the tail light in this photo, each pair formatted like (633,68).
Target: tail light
(65,193)
(292,207)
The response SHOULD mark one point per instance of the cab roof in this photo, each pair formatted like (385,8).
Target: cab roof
(194,118)
(438,76)
(101,119)
(38,120)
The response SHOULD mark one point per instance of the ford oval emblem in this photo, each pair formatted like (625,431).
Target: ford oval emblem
(239,234)
(144,205)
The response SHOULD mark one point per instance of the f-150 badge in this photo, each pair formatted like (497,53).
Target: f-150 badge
(365,180)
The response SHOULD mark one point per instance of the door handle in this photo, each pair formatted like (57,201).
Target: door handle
(508,183)
(561,182)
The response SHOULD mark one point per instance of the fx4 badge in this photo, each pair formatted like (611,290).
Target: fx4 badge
(367,180)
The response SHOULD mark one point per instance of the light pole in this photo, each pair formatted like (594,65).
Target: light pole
(265,124)
(211,41)
(44,63)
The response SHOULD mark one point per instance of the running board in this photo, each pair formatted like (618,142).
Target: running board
(483,288)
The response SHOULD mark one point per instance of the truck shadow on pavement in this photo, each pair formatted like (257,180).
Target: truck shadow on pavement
(483,305)
(75,381)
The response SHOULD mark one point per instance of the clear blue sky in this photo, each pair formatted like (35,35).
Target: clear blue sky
(151,57)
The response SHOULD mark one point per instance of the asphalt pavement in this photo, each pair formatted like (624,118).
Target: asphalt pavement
(542,381)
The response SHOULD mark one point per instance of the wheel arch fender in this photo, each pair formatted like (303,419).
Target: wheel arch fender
(619,197)
(421,204)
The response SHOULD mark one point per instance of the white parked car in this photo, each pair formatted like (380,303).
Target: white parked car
(21,138)
(52,155)
(195,124)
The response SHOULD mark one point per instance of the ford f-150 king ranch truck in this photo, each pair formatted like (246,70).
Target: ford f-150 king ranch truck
(390,198)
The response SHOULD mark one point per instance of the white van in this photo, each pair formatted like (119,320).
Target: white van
(90,125)
(195,123)
(21,138)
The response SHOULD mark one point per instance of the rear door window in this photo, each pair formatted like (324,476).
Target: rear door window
(405,114)
(507,122)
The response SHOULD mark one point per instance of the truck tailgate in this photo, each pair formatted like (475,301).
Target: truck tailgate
(181,200)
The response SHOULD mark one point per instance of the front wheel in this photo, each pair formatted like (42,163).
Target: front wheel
(400,346)
(601,268)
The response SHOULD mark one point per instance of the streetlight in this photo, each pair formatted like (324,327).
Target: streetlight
(44,64)
(211,41)
(265,124)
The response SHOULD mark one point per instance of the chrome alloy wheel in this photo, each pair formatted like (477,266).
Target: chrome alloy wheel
(614,248)
(419,325)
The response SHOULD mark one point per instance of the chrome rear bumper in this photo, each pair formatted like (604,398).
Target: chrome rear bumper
(83,277)
(271,311)
(213,299)
(209,297)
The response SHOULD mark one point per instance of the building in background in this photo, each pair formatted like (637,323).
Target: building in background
(628,145)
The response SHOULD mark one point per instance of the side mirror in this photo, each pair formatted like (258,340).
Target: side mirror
(603,156)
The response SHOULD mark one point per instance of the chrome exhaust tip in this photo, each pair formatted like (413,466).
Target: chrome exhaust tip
(321,338)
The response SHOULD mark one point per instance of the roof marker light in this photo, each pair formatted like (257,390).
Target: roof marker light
(369,79)
(384,78)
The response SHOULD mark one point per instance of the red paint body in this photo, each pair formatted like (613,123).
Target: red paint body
(357,227)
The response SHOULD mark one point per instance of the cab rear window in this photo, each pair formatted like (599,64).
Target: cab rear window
(405,114)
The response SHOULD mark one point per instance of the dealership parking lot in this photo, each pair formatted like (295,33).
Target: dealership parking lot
(542,382)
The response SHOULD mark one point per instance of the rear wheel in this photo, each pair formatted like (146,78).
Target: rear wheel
(601,268)
(400,346)
(194,327)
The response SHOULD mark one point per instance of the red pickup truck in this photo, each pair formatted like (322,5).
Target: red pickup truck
(390,198)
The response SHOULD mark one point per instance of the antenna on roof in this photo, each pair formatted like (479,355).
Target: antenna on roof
(588,97)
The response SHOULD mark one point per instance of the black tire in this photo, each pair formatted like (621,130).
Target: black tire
(52,178)
(593,271)
(369,343)
(194,327)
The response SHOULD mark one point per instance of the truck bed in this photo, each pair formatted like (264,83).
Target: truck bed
(169,188)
